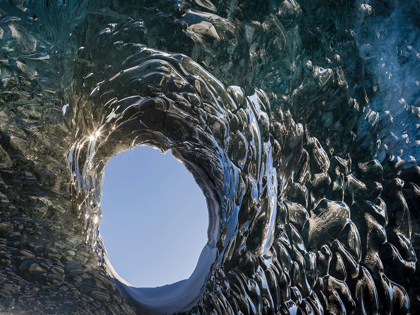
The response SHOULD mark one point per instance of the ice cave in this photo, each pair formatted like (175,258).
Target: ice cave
(298,120)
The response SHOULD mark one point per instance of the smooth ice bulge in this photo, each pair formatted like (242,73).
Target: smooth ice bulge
(154,218)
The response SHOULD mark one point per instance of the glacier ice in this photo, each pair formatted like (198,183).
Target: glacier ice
(298,119)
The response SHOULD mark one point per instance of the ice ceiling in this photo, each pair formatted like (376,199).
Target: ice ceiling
(298,119)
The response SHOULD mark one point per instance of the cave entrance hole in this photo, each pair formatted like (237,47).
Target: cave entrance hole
(154,218)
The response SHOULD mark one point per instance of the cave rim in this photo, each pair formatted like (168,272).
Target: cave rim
(144,299)
(122,126)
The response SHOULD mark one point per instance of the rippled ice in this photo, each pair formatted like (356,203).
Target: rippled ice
(298,119)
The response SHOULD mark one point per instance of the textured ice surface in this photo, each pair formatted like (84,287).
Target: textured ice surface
(298,119)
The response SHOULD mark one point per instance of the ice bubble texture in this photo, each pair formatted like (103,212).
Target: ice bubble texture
(298,119)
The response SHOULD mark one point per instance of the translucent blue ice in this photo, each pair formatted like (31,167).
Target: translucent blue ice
(298,120)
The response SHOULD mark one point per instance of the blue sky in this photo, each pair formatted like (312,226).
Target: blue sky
(154,217)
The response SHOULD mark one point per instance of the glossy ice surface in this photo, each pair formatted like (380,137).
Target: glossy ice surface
(298,119)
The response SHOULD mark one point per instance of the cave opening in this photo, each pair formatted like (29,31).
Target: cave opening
(154,218)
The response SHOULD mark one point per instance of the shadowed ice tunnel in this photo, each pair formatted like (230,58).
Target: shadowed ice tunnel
(298,120)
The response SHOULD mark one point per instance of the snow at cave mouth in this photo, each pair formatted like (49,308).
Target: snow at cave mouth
(154,218)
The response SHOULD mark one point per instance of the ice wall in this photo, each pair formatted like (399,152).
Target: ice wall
(298,119)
